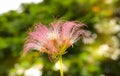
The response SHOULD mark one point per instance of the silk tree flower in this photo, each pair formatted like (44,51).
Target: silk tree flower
(55,39)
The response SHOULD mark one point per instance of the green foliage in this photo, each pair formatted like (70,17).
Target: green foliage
(98,56)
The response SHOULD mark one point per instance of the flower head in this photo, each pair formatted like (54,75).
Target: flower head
(56,39)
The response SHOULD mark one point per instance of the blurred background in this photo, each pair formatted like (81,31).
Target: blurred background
(98,55)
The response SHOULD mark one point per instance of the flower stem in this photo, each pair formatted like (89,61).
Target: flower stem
(61,67)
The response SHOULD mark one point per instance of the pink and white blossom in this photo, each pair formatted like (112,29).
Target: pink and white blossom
(56,39)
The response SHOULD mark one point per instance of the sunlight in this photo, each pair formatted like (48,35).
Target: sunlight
(7,5)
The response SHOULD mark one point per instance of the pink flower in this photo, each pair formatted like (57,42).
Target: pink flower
(56,39)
